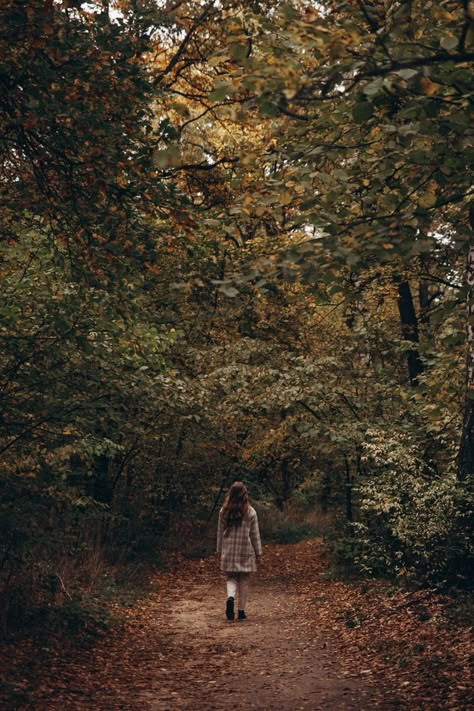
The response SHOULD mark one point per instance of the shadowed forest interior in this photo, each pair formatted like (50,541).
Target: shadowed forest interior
(237,245)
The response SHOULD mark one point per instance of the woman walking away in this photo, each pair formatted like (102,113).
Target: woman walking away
(238,542)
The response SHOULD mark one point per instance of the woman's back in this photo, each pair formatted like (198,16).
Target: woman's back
(240,544)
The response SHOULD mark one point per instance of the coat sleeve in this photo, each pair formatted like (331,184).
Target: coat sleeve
(220,533)
(255,535)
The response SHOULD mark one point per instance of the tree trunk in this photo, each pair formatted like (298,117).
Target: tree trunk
(425,299)
(285,480)
(466,450)
(349,514)
(409,324)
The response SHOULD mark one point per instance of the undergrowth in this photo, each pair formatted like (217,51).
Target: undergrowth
(70,596)
(292,524)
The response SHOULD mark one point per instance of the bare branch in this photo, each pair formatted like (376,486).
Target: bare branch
(182,47)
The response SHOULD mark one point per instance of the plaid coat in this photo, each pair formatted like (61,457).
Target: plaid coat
(241,544)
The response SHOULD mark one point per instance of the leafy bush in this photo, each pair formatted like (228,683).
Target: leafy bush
(413,522)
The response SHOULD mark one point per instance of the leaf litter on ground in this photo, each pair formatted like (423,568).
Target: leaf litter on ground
(414,648)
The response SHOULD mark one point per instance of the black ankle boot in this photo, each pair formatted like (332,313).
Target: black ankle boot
(241,615)
(229,608)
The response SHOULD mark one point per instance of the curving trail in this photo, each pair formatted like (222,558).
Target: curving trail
(182,654)
(310,643)
(275,660)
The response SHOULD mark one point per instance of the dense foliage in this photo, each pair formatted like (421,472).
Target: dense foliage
(237,241)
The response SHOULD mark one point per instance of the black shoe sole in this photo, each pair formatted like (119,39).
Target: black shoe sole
(229,608)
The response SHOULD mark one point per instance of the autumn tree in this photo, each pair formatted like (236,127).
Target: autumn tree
(235,239)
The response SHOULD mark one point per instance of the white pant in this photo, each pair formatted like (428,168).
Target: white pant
(238,582)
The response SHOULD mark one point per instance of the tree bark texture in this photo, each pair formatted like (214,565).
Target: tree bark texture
(466,450)
(409,323)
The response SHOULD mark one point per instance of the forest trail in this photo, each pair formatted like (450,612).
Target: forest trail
(274,660)
(310,642)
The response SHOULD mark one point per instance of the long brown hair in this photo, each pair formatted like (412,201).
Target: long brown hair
(235,506)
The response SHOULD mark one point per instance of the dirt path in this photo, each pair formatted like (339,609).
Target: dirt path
(309,643)
(273,660)
(276,660)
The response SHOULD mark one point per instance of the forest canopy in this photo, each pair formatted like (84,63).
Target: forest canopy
(236,242)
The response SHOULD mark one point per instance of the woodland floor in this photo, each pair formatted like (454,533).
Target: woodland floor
(310,643)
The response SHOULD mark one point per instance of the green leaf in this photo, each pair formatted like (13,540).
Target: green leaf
(374,87)
(449,42)
(230,291)
(289,12)
(219,93)
(238,51)
(362,111)
(407,73)
(427,200)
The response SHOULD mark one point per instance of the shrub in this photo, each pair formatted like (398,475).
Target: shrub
(412,522)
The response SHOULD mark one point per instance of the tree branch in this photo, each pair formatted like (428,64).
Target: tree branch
(374,28)
(458,58)
(207,166)
(310,409)
(182,47)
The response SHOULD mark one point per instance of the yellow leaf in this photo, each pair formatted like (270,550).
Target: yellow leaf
(290,93)
(429,87)
(427,200)
(215,60)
